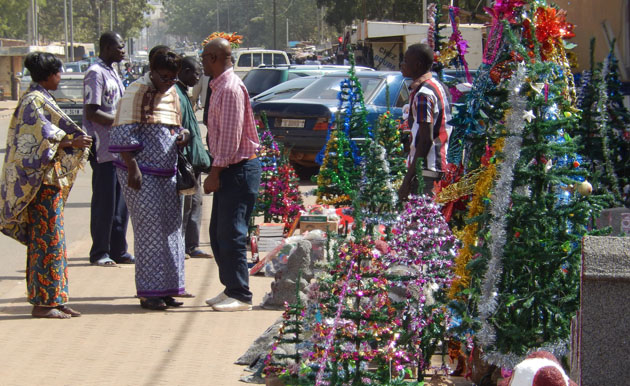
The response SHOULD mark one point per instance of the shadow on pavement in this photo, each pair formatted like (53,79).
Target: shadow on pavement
(12,277)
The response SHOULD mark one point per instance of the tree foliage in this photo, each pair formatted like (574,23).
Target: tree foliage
(91,18)
(13,18)
(340,13)
(193,20)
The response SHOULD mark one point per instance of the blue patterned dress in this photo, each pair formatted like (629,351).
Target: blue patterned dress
(155,209)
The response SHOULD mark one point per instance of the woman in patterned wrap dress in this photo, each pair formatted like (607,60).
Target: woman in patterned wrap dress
(45,149)
(145,134)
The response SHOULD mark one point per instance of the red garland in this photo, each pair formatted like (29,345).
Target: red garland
(551,26)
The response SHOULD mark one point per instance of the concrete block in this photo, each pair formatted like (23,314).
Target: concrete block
(604,318)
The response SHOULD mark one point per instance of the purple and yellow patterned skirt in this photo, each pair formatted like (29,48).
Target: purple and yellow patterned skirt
(46,259)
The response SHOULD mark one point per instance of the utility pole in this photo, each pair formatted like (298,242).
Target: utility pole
(424,11)
(35,26)
(71,33)
(31,18)
(287,47)
(274,24)
(218,15)
(111,15)
(65,27)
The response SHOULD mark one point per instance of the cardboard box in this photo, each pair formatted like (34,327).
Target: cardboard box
(328,226)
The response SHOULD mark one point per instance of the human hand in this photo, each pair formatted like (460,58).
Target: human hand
(82,141)
(134,178)
(183,138)
(211,184)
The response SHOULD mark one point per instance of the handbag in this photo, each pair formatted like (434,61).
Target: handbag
(186,180)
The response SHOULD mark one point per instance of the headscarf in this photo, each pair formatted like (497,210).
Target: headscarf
(143,103)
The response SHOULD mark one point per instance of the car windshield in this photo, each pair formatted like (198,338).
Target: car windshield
(258,81)
(286,89)
(73,67)
(329,87)
(69,89)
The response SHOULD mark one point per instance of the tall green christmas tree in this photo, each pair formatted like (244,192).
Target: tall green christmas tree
(535,206)
(376,200)
(595,132)
(619,122)
(338,175)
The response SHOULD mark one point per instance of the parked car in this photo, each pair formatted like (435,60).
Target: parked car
(301,122)
(265,77)
(247,59)
(284,90)
(69,95)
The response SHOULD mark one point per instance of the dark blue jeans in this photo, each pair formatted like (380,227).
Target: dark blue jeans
(231,210)
(108,216)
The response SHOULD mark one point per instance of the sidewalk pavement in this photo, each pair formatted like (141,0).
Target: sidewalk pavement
(7,108)
(115,342)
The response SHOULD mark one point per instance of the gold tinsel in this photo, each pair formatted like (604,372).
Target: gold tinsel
(468,235)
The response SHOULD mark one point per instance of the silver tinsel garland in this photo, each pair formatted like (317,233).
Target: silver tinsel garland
(509,361)
(501,198)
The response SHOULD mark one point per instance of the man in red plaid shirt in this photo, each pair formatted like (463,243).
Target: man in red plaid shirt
(429,114)
(235,175)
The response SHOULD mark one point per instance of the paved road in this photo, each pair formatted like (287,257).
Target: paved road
(116,342)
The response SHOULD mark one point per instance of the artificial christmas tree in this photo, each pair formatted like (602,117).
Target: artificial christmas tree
(521,272)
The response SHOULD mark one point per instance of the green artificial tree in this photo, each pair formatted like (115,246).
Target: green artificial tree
(387,134)
(619,122)
(376,200)
(595,132)
(533,204)
(269,155)
(338,176)
(287,365)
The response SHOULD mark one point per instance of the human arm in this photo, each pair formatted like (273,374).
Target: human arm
(183,138)
(94,114)
(423,145)
(212,183)
(82,142)
(134,176)
(226,126)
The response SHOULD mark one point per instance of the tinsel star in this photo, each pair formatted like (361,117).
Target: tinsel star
(528,115)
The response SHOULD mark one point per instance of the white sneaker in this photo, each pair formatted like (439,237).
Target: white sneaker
(231,304)
(217,299)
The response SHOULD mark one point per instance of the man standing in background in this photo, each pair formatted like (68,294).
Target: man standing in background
(102,88)
(196,154)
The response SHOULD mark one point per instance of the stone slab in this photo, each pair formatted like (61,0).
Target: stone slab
(604,328)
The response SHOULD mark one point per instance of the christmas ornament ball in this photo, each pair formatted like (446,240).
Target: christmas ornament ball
(585,188)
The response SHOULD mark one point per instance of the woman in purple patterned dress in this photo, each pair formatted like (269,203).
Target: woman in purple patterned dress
(146,133)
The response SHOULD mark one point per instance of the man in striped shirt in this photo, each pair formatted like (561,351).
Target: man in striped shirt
(234,177)
(429,114)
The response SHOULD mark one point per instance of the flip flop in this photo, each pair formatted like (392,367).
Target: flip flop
(49,313)
(105,261)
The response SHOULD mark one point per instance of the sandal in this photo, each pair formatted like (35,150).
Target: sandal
(49,313)
(171,302)
(156,304)
(67,310)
